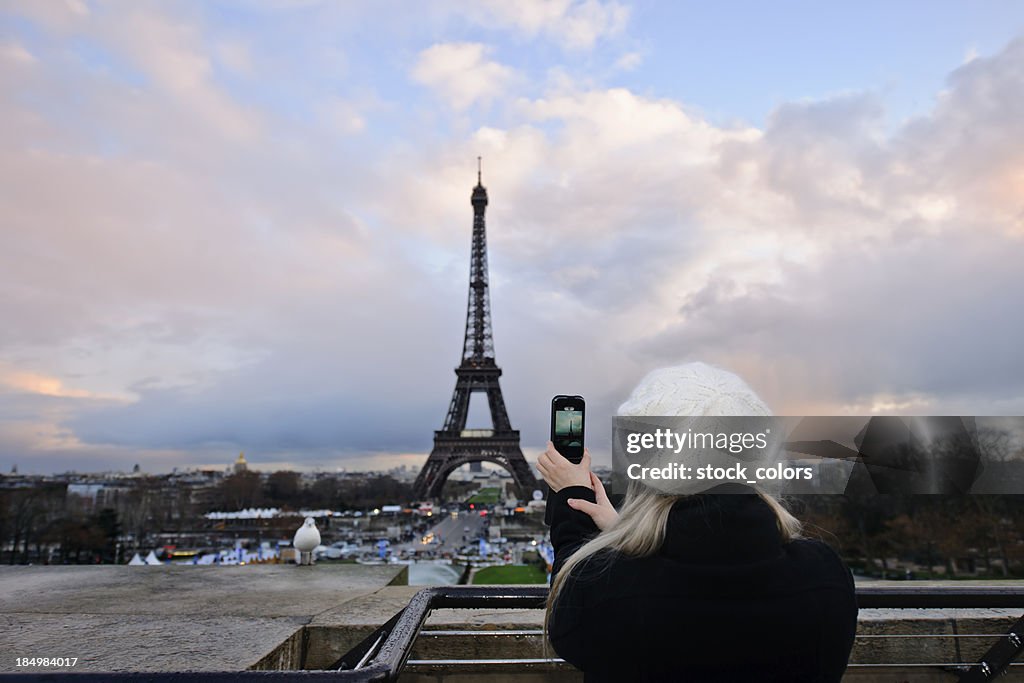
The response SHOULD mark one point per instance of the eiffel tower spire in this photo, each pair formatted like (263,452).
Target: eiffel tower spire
(454,445)
(478,347)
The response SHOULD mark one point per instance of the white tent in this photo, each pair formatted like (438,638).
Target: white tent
(136,561)
(151,558)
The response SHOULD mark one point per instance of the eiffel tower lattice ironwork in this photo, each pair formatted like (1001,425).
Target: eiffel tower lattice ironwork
(454,445)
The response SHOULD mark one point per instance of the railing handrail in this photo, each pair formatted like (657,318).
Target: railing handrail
(935,597)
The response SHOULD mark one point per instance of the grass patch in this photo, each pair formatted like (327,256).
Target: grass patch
(510,573)
(488,496)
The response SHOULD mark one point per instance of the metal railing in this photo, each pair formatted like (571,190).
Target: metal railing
(1006,648)
(384,654)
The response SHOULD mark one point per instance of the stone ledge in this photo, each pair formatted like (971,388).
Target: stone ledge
(173,617)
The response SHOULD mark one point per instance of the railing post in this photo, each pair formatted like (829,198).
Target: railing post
(998,657)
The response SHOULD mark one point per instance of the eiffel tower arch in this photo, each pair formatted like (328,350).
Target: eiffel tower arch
(454,445)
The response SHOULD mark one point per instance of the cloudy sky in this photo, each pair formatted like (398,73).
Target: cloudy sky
(245,226)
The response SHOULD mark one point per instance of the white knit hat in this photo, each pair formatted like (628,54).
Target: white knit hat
(696,389)
(701,398)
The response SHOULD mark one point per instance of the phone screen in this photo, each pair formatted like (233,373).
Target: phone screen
(569,427)
(567,422)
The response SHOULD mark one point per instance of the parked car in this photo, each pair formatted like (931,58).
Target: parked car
(341,551)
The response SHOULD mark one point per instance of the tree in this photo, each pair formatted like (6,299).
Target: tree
(110,528)
(27,512)
(325,493)
(284,489)
(240,490)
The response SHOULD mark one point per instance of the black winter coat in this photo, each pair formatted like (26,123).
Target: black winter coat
(724,600)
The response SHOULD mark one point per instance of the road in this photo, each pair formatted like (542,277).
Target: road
(449,532)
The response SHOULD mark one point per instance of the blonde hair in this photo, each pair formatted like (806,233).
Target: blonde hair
(640,528)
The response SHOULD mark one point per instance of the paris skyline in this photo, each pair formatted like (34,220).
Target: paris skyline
(247,228)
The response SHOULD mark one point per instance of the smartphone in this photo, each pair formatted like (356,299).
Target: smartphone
(568,414)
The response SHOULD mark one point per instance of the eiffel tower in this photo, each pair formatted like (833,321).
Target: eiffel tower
(454,445)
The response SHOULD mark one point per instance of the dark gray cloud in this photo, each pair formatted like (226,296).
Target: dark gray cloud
(931,317)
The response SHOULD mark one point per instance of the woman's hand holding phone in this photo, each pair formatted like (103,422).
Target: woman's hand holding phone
(560,472)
